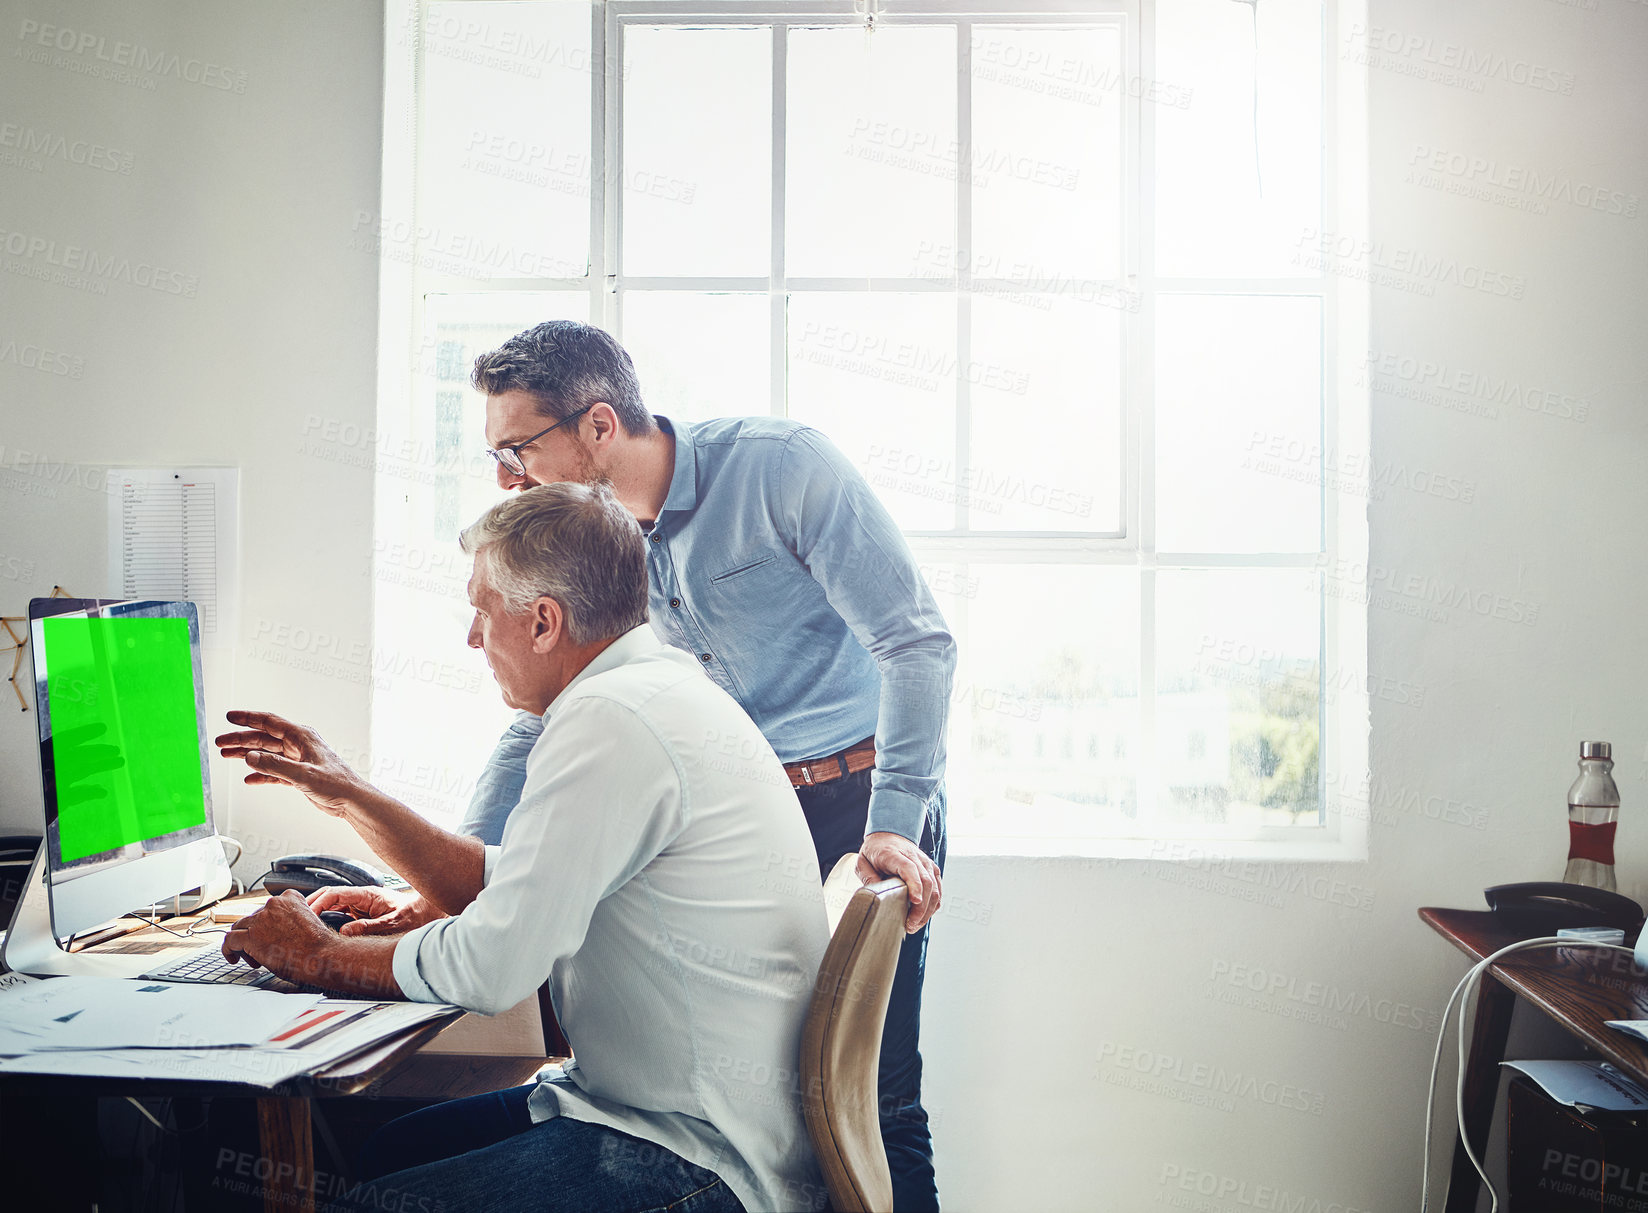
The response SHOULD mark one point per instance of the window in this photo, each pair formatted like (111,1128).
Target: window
(1035,267)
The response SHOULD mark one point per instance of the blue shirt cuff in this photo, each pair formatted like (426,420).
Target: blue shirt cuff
(407,976)
(898,813)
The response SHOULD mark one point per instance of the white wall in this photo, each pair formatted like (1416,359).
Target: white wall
(1047,980)
(1063,963)
(245,196)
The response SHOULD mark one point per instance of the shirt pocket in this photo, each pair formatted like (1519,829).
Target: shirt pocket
(742,568)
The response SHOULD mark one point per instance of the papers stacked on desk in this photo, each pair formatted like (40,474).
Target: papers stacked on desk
(113,1012)
(118,1027)
(1593,1084)
(1636,1027)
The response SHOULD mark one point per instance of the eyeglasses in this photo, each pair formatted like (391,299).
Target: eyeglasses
(510,456)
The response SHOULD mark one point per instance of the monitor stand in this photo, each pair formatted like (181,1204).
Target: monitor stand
(32,948)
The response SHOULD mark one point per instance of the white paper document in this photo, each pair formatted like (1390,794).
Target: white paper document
(254,1067)
(116,1013)
(172,535)
(1636,1027)
(313,1033)
(1595,1084)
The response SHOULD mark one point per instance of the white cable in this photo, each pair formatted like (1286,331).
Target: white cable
(1468,984)
(149,1116)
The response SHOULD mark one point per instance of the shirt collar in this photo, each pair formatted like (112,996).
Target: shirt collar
(635,643)
(683,488)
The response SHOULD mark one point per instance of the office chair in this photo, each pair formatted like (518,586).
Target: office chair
(841,1040)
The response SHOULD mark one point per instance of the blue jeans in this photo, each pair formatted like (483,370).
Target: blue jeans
(836,813)
(484,1153)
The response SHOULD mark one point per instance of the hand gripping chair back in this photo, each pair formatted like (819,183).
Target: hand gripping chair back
(841,1041)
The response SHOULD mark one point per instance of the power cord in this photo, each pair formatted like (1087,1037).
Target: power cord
(1473,980)
(196,929)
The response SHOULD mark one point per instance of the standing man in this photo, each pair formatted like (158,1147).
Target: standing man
(771,561)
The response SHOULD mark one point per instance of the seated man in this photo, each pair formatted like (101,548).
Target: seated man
(633,876)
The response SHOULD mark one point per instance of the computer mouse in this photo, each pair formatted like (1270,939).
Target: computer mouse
(335,918)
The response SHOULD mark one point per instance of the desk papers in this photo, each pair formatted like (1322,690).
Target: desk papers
(115,1012)
(1595,1084)
(260,1041)
(1636,1027)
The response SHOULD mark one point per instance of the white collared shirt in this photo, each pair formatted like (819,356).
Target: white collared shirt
(659,873)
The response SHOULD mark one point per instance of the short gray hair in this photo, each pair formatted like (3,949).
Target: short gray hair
(575,543)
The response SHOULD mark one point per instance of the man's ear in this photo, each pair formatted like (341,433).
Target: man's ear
(547,623)
(604,425)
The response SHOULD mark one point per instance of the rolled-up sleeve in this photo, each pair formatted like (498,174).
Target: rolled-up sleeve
(852,547)
(584,827)
(407,976)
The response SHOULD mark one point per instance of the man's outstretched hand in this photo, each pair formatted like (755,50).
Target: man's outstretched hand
(294,756)
(884,854)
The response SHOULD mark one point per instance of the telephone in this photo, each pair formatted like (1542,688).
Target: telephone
(306,873)
(1549,906)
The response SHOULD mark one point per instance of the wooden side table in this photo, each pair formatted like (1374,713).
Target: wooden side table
(1580,988)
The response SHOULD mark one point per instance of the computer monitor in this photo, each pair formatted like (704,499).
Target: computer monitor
(124,778)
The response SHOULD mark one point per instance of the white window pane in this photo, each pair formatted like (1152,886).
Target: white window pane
(1045,452)
(877,373)
(460,328)
(1238,698)
(1231,373)
(1046,166)
(1232,200)
(1044,720)
(700,355)
(436,709)
(503,148)
(697,138)
(437,713)
(872,153)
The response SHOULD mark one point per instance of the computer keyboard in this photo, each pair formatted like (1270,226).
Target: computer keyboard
(208,967)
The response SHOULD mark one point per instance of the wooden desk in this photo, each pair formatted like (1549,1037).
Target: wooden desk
(283,1112)
(1580,988)
(394,1069)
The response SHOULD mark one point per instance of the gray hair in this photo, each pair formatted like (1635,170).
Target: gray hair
(575,543)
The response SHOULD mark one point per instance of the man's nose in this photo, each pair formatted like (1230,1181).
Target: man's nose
(510,480)
(474,637)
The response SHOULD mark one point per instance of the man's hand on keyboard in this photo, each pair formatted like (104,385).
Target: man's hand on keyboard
(294,756)
(287,938)
(284,937)
(377,911)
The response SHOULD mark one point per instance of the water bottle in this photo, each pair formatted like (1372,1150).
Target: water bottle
(1593,816)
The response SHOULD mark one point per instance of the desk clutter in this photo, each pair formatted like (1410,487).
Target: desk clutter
(1576,1138)
(129,1027)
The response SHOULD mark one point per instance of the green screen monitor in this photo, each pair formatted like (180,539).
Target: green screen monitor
(123,756)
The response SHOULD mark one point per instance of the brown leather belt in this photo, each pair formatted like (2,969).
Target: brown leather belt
(854,758)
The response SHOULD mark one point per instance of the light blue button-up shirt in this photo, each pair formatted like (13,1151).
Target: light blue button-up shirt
(774,563)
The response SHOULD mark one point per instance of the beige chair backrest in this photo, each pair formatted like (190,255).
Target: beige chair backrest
(841,1042)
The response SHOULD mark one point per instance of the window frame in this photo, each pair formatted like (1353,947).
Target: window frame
(1343,716)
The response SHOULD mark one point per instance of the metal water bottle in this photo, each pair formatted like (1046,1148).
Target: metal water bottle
(1593,816)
